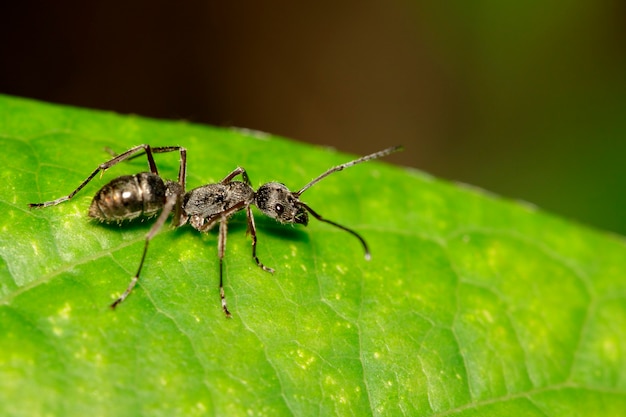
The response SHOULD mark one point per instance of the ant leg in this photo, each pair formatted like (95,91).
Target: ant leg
(182,171)
(237,171)
(221,243)
(128,154)
(221,247)
(352,232)
(252,230)
(182,174)
(158,149)
(167,209)
(103,167)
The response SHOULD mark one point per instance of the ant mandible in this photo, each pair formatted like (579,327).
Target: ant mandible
(145,194)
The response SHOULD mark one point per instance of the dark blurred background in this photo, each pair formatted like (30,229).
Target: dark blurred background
(526,99)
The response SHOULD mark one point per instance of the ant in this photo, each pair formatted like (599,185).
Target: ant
(145,194)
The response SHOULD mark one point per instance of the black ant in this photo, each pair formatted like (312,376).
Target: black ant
(145,194)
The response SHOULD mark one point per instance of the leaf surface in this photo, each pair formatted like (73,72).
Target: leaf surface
(471,304)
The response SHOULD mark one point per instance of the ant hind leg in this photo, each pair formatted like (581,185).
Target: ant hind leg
(170,203)
(103,167)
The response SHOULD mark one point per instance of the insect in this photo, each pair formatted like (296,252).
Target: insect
(148,195)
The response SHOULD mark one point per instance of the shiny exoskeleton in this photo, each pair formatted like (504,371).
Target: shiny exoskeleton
(147,195)
(132,196)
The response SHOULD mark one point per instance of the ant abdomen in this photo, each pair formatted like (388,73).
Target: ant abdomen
(128,197)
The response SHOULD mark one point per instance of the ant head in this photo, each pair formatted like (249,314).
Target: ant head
(276,201)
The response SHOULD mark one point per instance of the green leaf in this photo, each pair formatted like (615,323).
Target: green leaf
(471,305)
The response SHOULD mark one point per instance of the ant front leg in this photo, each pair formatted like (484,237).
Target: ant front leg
(103,167)
(252,230)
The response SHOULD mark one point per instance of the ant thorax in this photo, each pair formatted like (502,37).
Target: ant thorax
(201,205)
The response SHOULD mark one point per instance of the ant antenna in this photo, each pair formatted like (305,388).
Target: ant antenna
(368,256)
(375,155)
(366,158)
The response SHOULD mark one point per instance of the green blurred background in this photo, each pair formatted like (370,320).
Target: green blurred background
(526,99)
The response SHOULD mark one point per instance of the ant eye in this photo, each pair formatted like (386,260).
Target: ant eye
(279,208)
